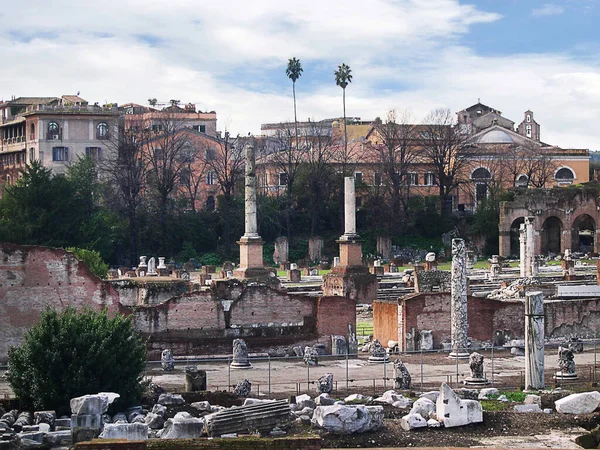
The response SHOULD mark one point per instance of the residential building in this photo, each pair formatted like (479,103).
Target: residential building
(53,130)
(493,154)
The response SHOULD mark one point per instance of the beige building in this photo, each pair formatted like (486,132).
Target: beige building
(55,131)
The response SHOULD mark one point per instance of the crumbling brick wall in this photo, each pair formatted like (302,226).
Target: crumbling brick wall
(35,278)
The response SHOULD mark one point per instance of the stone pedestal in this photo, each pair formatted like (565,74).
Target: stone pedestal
(251,259)
(534,341)
(240,355)
(294,275)
(523,251)
(458,300)
(431,265)
(384,246)
(378,271)
(315,248)
(195,380)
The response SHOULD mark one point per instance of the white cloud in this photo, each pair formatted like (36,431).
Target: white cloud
(549,9)
(230,57)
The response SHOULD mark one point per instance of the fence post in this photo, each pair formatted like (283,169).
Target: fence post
(385,374)
(456,387)
(594,362)
(347,373)
(269,374)
(308,378)
(228,374)
(492,365)
(421,369)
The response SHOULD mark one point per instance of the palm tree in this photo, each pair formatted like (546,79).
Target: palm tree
(293,72)
(343,76)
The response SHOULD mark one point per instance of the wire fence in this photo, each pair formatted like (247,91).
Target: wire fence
(355,374)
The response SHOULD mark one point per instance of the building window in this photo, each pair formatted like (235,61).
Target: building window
(53,131)
(358,177)
(94,153)
(283,179)
(528,131)
(32,134)
(200,128)
(377,178)
(522,181)
(60,154)
(31,154)
(564,174)
(211,178)
(102,131)
(430,179)
(528,117)
(210,203)
(413,178)
(211,154)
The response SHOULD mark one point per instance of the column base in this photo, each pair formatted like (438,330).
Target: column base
(379,359)
(476,381)
(459,355)
(559,376)
(240,365)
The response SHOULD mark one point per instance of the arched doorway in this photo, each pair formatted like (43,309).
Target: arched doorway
(515,246)
(551,233)
(481,178)
(583,232)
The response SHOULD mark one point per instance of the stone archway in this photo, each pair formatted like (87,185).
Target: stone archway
(514,236)
(583,234)
(551,234)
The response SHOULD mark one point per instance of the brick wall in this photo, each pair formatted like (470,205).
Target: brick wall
(385,321)
(34,278)
(334,315)
(487,318)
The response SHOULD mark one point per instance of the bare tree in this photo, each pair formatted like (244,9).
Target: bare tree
(319,173)
(287,157)
(166,156)
(395,153)
(225,158)
(126,169)
(443,149)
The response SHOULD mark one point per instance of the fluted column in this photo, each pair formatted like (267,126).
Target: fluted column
(534,341)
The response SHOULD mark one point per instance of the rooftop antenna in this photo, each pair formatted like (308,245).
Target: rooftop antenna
(478,100)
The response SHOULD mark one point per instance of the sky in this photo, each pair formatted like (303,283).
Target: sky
(230,56)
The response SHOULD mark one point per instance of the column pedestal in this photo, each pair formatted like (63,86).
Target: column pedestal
(251,259)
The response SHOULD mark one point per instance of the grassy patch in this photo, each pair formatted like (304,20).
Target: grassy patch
(494,405)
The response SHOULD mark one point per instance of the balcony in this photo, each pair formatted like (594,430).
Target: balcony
(13,144)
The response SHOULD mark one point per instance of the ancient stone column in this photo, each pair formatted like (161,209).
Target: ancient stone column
(251,224)
(530,246)
(534,341)
(349,207)
(251,244)
(458,300)
(523,250)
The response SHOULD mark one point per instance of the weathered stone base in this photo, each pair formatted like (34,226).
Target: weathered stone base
(252,273)
(559,376)
(240,365)
(470,381)
(379,359)
(459,355)
(355,283)
(251,252)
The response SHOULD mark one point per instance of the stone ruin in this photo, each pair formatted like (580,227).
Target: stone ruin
(566,364)
(402,377)
(325,384)
(477,377)
(378,353)
(240,355)
(166,360)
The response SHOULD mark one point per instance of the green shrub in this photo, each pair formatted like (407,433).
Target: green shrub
(92,259)
(69,354)
(211,259)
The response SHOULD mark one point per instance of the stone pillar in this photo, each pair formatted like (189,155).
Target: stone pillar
(315,248)
(534,341)
(384,247)
(523,250)
(251,244)
(530,246)
(349,207)
(458,300)
(281,252)
(350,278)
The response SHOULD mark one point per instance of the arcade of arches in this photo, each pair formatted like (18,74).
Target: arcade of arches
(560,221)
